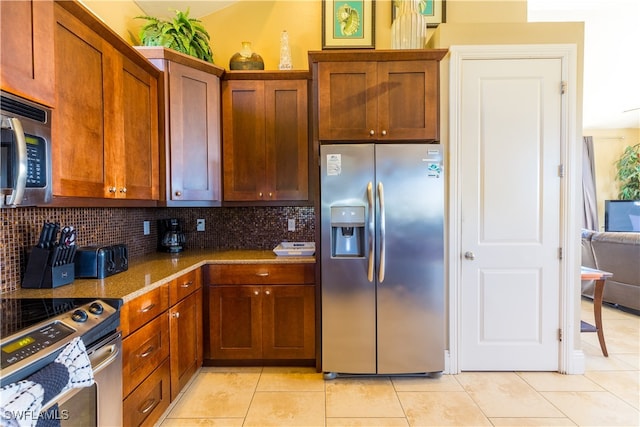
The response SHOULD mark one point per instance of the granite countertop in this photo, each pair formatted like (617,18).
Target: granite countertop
(154,270)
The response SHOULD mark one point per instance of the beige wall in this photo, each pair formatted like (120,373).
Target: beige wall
(608,145)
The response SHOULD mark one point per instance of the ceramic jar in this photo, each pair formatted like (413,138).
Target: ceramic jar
(246,59)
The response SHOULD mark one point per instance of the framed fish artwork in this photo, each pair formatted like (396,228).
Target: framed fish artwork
(348,24)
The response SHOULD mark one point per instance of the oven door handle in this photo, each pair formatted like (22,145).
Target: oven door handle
(21,149)
(108,354)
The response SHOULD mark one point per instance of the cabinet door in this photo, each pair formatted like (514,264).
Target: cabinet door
(195,134)
(408,100)
(84,82)
(235,322)
(243,140)
(136,162)
(347,108)
(185,336)
(288,330)
(26,49)
(287,140)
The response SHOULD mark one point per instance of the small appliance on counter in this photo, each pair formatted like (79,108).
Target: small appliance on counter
(98,262)
(295,249)
(50,262)
(170,236)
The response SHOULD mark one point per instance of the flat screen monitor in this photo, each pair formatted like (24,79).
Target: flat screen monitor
(622,215)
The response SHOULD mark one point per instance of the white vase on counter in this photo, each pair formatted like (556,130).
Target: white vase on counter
(409,29)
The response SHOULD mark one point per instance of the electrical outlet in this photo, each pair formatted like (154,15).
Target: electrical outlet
(146,228)
(200,224)
(291,225)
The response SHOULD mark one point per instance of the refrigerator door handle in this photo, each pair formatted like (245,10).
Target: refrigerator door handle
(371,231)
(383,233)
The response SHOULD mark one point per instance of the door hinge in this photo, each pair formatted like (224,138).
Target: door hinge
(561,171)
(559,253)
(559,334)
(563,87)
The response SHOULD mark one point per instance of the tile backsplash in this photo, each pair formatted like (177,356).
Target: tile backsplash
(226,228)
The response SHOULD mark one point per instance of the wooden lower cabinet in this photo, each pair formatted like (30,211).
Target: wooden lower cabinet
(185,331)
(143,351)
(260,321)
(150,399)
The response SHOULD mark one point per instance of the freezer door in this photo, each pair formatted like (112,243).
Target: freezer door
(348,297)
(410,248)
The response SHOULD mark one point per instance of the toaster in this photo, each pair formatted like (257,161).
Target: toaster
(98,262)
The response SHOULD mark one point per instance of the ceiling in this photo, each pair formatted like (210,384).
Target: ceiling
(611,87)
(611,93)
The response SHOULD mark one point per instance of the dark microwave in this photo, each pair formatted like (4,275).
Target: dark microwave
(25,152)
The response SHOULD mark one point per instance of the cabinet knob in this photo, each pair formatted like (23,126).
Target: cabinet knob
(256,292)
(176,315)
(384,133)
(178,193)
(123,190)
(112,189)
(267,292)
(187,284)
(270,195)
(372,132)
(260,194)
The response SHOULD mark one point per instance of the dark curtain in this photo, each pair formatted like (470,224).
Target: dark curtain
(590,217)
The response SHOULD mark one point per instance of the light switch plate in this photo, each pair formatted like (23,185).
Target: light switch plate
(146,228)
(200,224)
(291,225)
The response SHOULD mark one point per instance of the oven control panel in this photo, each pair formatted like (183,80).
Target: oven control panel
(32,343)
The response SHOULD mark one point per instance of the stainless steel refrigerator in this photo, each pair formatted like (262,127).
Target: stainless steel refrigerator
(382,259)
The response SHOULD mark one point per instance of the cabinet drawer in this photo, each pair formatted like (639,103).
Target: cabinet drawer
(140,310)
(149,401)
(143,351)
(258,274)
(184,285)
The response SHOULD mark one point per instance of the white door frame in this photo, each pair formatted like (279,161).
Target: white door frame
(571,357)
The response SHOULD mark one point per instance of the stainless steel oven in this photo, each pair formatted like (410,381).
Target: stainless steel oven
(35,331)
(25,152)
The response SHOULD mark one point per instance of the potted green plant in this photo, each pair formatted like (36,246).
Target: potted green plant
(628,173)
(184,34)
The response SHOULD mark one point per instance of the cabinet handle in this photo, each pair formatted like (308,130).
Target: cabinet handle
(267,292)
(372,132)
(384,133)
(187,284)
(147,308)
(123,190)
(178,193)
(256,292)
(147,408)
(176,315)
(112,189)
(265,274)
(147,352)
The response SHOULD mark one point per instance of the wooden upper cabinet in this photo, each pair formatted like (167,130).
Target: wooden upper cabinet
(26,49)
(191,150)
(106,121)
(381,95)
(265,140)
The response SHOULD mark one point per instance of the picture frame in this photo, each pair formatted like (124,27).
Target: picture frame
(348,24)
(434,10)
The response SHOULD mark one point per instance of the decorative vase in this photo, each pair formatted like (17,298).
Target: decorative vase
(409,29)
(246,59)
(285,52)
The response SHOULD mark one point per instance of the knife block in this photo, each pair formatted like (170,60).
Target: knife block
(41,274)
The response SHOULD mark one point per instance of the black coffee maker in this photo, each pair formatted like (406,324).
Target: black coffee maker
(170,235)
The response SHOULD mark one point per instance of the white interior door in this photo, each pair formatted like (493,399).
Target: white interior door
(510,157)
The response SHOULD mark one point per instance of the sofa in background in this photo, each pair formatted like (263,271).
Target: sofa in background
(619,254)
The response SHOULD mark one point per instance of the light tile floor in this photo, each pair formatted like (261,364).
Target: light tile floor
(608,394)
